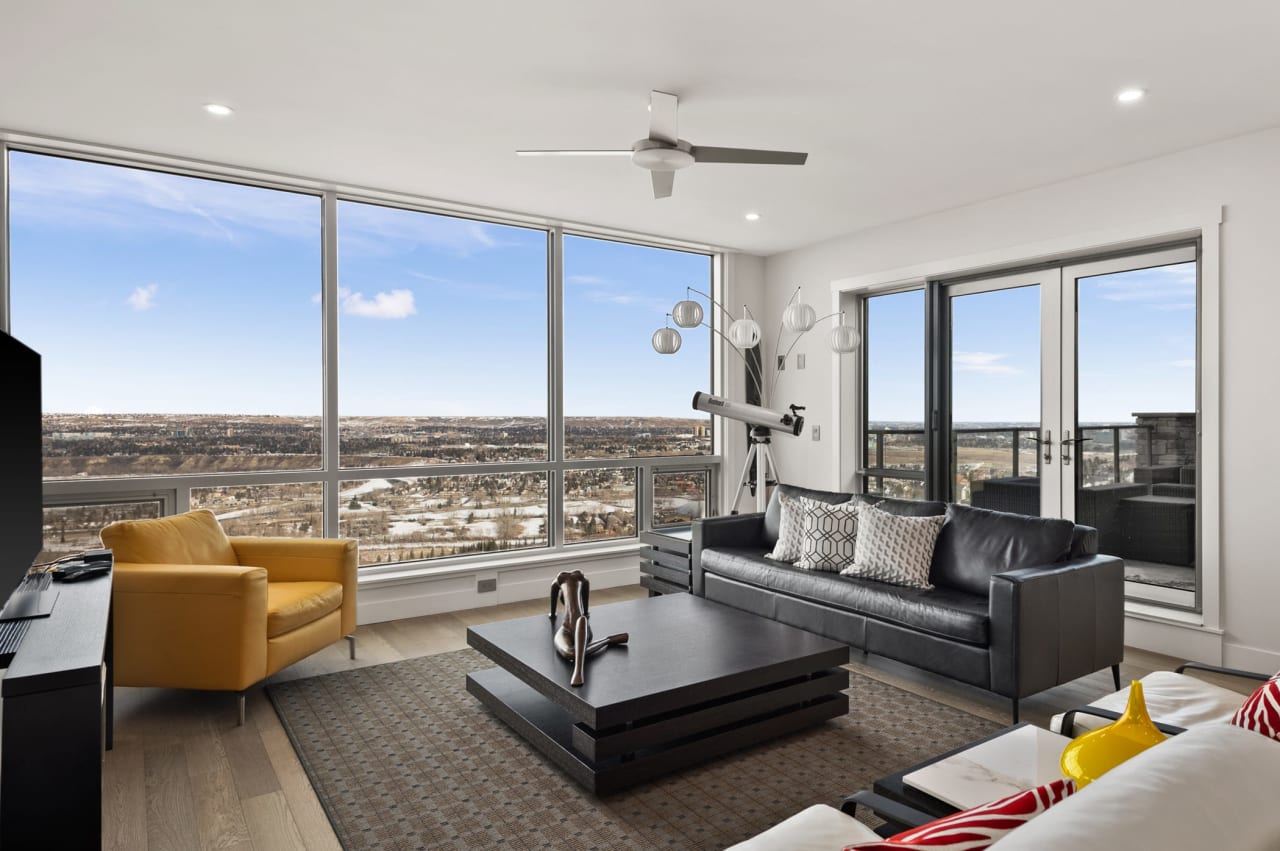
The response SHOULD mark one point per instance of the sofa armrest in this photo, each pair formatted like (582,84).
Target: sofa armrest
(1052,624)
(306,560)
(1218,669)
(733,530)
(189,626)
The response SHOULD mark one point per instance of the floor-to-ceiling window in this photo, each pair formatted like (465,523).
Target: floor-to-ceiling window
(893,449)
(435,389)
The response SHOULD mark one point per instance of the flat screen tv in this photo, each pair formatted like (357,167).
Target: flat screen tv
(21,464)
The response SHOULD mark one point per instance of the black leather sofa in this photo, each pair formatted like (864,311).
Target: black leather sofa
(1020,604)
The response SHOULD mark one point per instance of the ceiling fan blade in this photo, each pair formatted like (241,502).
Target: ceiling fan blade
(662,117)
(663,183)
(588,153)
(752,156)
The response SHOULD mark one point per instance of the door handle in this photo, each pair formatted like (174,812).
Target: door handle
(1067,441)
(1047,443)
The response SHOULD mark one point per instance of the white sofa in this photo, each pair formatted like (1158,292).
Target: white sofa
(1171,698)
(1212,787)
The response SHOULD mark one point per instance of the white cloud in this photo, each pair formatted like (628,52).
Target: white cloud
(1188,363)
(396,304)
(143,298)
(588,279)
(1157,284)
(987,363)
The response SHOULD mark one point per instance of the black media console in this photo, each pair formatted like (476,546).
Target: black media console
(57,723)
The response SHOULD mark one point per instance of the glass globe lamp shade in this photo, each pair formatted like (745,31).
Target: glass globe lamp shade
(666,341)
(744,333)
(687,314)
(799,317)
(844,339)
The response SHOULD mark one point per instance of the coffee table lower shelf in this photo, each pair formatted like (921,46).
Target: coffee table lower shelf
(757,717)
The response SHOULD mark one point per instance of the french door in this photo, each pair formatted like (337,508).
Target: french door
(1072,392)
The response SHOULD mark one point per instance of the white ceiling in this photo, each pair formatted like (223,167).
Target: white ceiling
(905,107)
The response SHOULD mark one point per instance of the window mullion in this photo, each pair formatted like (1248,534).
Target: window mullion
(555,388)
(330,448)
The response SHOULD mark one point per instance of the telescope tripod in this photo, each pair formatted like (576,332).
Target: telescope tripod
(759,453)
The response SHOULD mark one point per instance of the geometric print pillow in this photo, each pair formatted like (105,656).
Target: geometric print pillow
(787,547)
(893,549)
(977,828)
(1261,711)
(827,535)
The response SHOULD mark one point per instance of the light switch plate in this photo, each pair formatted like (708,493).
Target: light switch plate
(800,361)
(782,362)
(817,432)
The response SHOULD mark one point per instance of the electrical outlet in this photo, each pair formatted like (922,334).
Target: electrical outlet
(782,362)
(817,431)
(800,361)
(484,586)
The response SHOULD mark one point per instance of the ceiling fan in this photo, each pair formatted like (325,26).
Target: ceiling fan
(664,153)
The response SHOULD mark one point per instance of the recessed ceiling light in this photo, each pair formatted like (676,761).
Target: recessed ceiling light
(218,109)
(1131,95)
(753,217)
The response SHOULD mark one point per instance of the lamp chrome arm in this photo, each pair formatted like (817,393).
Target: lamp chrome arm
(756,375)
(799,337)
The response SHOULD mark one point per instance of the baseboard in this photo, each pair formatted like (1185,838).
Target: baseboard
(450,593)
(1185,641)
(1250,658)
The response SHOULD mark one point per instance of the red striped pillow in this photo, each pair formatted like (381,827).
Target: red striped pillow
(979,827)
(1261,711)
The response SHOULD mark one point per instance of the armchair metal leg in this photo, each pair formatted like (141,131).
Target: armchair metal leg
(240,707)
(1115,675)
(351,644)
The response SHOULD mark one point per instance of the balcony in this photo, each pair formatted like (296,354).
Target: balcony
(1135,483)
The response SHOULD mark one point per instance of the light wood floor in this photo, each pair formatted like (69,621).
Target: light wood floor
(183,776)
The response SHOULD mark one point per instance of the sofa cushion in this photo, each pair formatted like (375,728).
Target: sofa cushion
(976,543)
(979,827)
(191,538)
(943,612)
(773,512)
(1210,787)
(786,547)
(903,507)
(1261,711)
(894,549)
(818,828)
(827,536)
(294,604)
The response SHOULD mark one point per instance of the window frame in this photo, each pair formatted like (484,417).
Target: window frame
(176,489)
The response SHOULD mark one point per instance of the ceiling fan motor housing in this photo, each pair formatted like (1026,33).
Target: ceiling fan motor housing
(657,155)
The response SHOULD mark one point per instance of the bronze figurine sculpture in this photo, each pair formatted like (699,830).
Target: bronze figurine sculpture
(573,637)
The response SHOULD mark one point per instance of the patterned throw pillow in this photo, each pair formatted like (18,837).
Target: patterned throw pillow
(893,549)
(827,535)
(787,547)
(977,828)
(1261,711)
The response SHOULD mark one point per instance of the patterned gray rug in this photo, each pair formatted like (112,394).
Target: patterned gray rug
(403,758)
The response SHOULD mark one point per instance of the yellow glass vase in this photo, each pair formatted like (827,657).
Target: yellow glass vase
(1092,755)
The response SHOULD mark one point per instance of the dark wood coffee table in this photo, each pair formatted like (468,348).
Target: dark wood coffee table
(697,680)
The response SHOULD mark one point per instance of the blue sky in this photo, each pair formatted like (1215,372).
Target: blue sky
(1136,350)
(154,293)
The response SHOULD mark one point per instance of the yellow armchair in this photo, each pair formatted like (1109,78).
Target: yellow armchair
(196,609)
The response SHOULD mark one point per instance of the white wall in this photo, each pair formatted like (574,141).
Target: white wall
(1243,175)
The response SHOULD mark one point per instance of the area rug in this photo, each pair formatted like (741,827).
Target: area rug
(402,757)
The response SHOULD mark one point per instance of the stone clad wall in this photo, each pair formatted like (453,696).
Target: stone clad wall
(1171,440)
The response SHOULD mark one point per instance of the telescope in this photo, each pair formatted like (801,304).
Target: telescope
(752,415)
(762,421)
